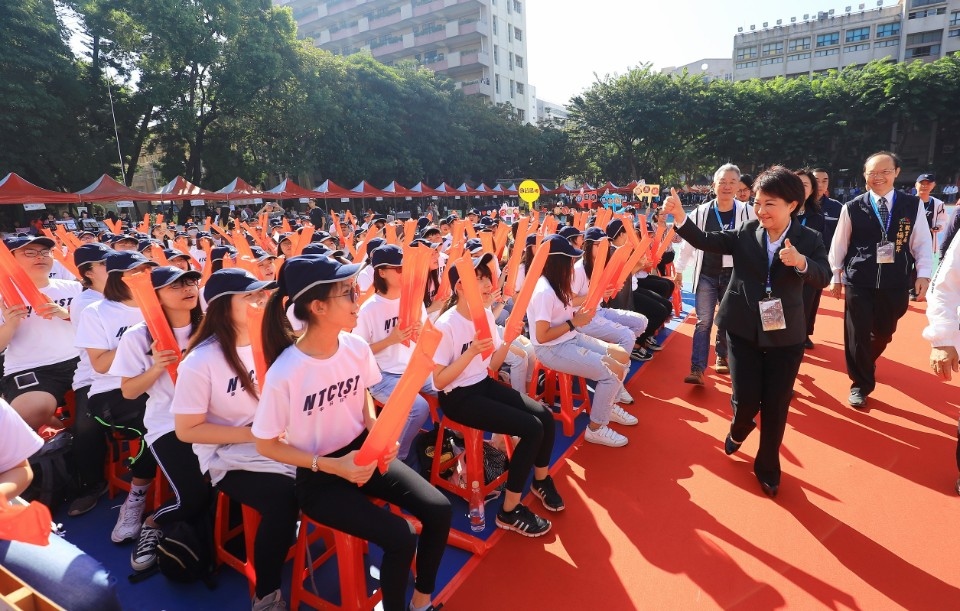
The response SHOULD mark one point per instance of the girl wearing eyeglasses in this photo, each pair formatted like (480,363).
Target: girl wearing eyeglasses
(315,396)
(142,368)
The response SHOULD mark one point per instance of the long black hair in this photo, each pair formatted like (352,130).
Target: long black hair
(277,333)
(218,324)
(558,272)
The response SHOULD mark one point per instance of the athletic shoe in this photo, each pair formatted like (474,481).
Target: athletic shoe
(625,397)
(652,344)
(695,377)
(128,523)
(547,493)
(145,554)
(605,436)
(270,602)
(641,354)
(620,416)
(83,504)
(523,521)
(857,399)
(722,366)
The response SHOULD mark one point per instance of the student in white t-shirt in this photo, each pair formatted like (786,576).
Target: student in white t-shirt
(143,369)
(40,359)
(378,325)
(98,335)
(365,277)
(555,332)
(213,407)
(315,397)
(468,395)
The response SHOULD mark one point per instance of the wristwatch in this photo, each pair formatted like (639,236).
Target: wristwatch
(313,464)
(571,325)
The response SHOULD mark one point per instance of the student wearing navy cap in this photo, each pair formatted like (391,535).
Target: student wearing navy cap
(213,406)
(365,277)
(125,242)
(315,396)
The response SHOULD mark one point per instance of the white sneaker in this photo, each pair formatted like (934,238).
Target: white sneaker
(129,523)
(625,397)
(605,436)
(621,416)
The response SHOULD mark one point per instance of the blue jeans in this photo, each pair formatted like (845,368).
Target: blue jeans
(63,573)
(583,356)
(418,413)
(710,290)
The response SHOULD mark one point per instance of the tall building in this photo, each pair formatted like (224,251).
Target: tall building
(817,42)
(480,44)
(710,69)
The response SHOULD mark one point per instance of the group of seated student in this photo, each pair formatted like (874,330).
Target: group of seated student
(333,346)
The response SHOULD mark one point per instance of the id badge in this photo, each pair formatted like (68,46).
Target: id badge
(771,314)
(727,260)
(885,252)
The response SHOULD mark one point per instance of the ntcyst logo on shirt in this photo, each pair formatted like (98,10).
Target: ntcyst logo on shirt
(325,398)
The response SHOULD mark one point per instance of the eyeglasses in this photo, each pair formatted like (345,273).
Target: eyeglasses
(33,254)
(883,173)
(183,283)
(353,295)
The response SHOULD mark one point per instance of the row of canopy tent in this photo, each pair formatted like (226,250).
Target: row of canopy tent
(16,190)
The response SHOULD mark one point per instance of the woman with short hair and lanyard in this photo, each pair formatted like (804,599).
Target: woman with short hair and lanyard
(762,310)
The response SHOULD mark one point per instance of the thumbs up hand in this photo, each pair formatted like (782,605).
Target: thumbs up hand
(791,257)
(672,205)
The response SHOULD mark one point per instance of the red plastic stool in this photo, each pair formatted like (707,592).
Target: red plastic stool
(557,382)
(473,452)
(223,534)
(116,468)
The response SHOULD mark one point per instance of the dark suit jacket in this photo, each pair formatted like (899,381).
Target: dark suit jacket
(739,310)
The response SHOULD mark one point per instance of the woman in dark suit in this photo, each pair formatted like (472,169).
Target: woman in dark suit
(762,310)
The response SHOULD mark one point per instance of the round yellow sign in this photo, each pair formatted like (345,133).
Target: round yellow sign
(529,191)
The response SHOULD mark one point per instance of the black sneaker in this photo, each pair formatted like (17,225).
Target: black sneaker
(547,493)
(523,521)
(87,501)
(641,354)
(653,344)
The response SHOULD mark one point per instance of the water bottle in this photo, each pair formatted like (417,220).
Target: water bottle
(478,517)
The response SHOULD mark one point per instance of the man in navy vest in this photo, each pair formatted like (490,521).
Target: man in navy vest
(829,206)
(880,235)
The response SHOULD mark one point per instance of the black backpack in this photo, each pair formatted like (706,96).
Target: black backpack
(53,478)
(186,551)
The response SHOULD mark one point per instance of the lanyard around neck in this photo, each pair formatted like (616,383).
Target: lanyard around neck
(876,210)
(733,219)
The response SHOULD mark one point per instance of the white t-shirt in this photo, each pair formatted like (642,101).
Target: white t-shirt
(206,384)
(200,256)
(20,442)
(580,284)
(39,342)
(458,333)
(318,402)
(521,276)
(84,374)
(365,278)
(377,319)
(60,272)
(101,327)
(131,360)
(544,305)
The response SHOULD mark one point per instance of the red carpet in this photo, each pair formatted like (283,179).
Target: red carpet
(866,517)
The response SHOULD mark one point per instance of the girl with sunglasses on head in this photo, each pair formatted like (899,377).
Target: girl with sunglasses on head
(142,368)
(213,406)
(315,397)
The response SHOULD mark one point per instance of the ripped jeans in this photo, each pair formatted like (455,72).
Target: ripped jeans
(583,356)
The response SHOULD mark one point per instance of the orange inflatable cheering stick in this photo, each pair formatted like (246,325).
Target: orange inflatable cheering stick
(146,299)
(208,264)
(255,329)
(27,524)
(8,290)
(516,255)
(444,290)
(386,430)
(306,236)
(409,231)
(500,239)
(390,233)
(413,284)
(181,245)
(596,287)
(13,270)
(471,293)
(520,302)
(156,251)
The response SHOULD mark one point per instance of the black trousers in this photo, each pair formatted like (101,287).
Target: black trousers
(870,320)
(191,491)
(658,284)
(89,444)
(811,303)
(333,501)
(656,308)
(763,381)
(272,495)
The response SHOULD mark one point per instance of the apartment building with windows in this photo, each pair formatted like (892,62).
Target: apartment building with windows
(479,44)
(812,43)
(709,69)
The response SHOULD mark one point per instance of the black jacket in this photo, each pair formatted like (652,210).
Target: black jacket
(739,311)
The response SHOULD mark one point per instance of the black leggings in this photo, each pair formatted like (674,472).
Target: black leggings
(333,501)
(124,416)
(89,443)
(272,495)
(491,406)
(191,492)
(657,310)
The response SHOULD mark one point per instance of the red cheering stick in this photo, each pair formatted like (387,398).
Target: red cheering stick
(255,329)
(486,240)
(158,255)
(413,284)
(306,236)
(146,299)
(27,524)
(513,264)
(13,271)
(386,430)
(181,245)
(471,292)
(500,239)
(409,230)
(520,302)
(596,287)
(390,234)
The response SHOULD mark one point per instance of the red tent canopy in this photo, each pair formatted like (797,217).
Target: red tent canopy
(628,188)
(287,189)
(181,188)
(365,189)
(330,189)
(464,189)
(609,186)
(394,189)
(446,190)
(484,190)
(499,190)
(238,189)
(422,190)
(106,189)
(16,190)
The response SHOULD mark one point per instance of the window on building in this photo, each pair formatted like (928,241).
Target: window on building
(799,44)
(742,65)
(853,48)
(826,52)
(496,55)
(520,88)
(746,53)
(930,12)
(798,57)
(510,63)
(517,6)
(496,83)
(857,35)
(893,42)
(826,40)
(509,33)
(771,60)
(509,7)
(954,34)
(955,18)
(513,88)
(924,37)
(518,33)
(924,51)
(919,3)
(494,24)
(773,48)
(519,60)
(888,29)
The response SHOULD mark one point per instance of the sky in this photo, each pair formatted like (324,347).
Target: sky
(571,41)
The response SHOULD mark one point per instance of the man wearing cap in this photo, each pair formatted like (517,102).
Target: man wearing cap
(881,234)
(828,206)
(711,272)
(936,213)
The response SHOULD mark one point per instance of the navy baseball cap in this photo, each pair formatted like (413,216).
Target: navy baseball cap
(477,262)
(171,253)
(94,252)
(559,245)
(316,248)
(570,232)
(374,244)
(425,243)
(125,260)
(388,255)
(614,228)
(218,253)
(488,220)
(142,245)
(260,254)
(300,274)
(924,177)
(166,275)
(594,234)
(473,211)
(285,236)
(21,241)
(125,237)
(320,236)
(531,240)
(233,281)
(474,245)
